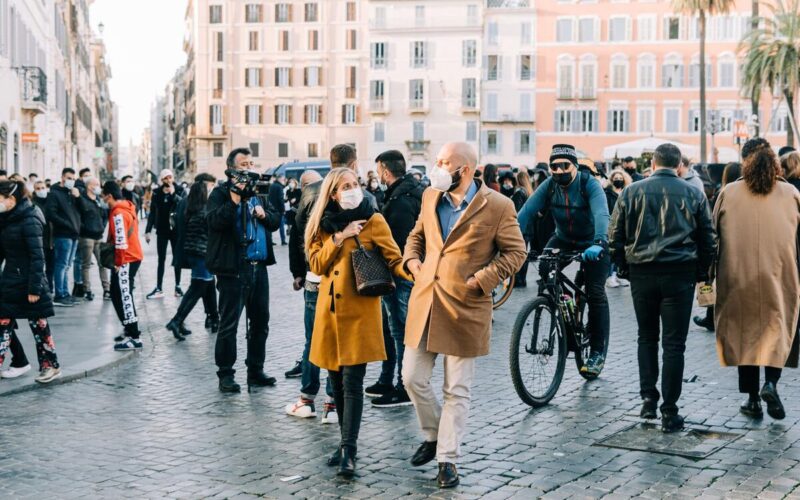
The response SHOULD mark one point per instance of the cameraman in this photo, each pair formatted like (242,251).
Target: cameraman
(240,224)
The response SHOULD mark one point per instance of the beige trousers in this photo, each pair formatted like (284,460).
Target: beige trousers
(444,424)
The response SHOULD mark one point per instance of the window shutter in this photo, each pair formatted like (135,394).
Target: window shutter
(305,114)
(499,142)
(556,123)
(595,121)
(610,121)
(690,127)
(626,116)
(358,113)
(410,54)
(485,67)
(484,142)
(277,76)
(291,73)
(500,68)
(291,108)
(517,135)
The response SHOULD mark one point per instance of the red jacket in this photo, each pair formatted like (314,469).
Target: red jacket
(123,233)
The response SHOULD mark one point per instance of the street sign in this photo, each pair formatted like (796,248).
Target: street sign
(31,138)
(740,129)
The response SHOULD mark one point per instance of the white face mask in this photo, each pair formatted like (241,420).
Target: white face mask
(42,193)
(129,186)
(69,184)
(441,179)
(351,199)
(97,190)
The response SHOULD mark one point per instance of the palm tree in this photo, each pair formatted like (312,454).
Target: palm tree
(702,9)
(772,57)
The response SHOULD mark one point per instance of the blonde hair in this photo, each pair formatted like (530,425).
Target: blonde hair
(524,181)
(327,190)
(790,164)
(625,176)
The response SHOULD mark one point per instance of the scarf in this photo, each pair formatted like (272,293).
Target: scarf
(334,219)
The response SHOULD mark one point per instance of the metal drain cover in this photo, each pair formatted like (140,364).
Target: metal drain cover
(689,443)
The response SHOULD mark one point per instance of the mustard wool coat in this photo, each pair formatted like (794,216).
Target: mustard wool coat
(486,242)
(758,285)
(348,327)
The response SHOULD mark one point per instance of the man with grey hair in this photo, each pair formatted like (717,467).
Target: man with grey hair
(661,233)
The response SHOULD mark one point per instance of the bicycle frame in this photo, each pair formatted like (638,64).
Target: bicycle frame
(556,284)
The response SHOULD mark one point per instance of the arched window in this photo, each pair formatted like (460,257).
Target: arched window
(646,71)
(618,73)
(726,70)
(672,72)
(694,72)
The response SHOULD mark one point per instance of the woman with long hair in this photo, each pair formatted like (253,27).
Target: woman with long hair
(191,254)
(490,177)
(618,180)
(347,326)
(24,290)
(521,194)
(758,286)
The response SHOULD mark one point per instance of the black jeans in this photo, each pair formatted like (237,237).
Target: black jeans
(594,277)
(250,290)
(198,289)
(749,378)
(49,267)
(387,367)
(162,240)
(122,284)
(662,299)
(18,358)
(348,393)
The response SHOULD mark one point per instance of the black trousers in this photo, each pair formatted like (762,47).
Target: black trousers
(348,393)
(250,291)
(662,300)
(198,289)
(162,240)
(49,267)
(749,382)
(18,358)
(122,284)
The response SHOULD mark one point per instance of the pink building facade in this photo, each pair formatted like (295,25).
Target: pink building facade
(611,72)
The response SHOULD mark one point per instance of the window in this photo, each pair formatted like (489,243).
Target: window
(217,147)
(3,147)
(618,29)
(416,93)
(619,74)
(672,28)
(564,30)
(523,142)
(491,105)
(253,40)
(312,114)
(694,75)
(469,90)
(672,120)
(492,33)
(472,15)
(418,131)
(694,120)
(311,76)
(220,49)
(350,11)
(724,120)
(525,106)
(472,132)
(215,116)
(350,82)
(283,114)
(493,68)
(253,114)
(313,40)
(646,72)
(525,71)
(526,33)
(617,120)
(379,132)
(283,77)
(492,142)
(469,53)
(313,150)
(586,30)
(376,92)
(418,54)
(588,79)
(565,79)
(283,13)
(378,55)
(380,17)
(254,149)
(419,15)
(252,77)
(646,28)
(214,14)
(218,83)
(312,13)
(780,122)
(350,40)
(253,13)
(586,120)
(644,121)
(283,40)
(348,114)
(283,150)
(672,75)
(726,74)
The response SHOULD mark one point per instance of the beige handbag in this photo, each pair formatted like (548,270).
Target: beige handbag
(706,294)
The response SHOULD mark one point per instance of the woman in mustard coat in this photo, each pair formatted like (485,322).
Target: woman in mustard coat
(347,326)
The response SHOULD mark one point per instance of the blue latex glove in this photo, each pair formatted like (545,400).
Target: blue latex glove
(593,253)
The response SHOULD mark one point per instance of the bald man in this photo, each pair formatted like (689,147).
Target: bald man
(465,231)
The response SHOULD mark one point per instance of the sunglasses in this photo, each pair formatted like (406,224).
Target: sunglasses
(555,167)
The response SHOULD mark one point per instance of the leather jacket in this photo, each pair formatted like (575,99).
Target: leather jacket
(662,223)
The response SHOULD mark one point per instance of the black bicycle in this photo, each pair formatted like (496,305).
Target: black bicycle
(547,328)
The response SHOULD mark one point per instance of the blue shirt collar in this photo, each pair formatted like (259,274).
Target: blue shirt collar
(471,192)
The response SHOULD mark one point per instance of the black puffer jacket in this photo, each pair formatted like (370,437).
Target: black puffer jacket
(297,253)
(93,217)
(23,254)
(41,204)
(663,223)
(192,234)
(402,206)
(62,212)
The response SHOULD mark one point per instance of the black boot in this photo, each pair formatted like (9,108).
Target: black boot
(424,454)
(752,407)
(347,465)
(228,384)
(649,407)
(260,379)
(448,475)
(769,393)
(184,331)
(671,423)
(175,328)
(336,458)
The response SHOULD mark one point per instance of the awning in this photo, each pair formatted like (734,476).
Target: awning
(646,145)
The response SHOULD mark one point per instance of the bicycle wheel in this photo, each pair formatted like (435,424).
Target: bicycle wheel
(538,352)
(582,354)
(502,292)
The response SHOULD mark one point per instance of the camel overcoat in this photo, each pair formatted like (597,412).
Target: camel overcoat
(486,243)
(348,327)
(758,285)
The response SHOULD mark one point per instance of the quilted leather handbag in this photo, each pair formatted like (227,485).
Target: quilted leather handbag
(373,278)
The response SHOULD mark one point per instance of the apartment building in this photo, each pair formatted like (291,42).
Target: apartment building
(424,76)
(286,79)
(612,72)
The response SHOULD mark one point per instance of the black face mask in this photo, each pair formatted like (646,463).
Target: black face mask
(618,183)
(456,181)
(563,179)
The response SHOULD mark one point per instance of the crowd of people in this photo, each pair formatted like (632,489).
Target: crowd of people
(443,242)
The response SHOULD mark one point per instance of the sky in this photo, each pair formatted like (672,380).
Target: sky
(144,47)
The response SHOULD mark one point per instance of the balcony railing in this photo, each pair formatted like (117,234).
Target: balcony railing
(491,74)
(565,93)
(588,93)
(507,4)
(350,92)
(217,94)
(417,146)
(34,89)
(378,105)
(416,105)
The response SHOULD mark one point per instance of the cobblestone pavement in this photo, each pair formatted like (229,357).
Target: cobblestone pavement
(157,427)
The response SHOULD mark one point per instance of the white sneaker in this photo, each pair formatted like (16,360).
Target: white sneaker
(623,283)
(329,415)
(13,372)
(48,375)
(304,408)
(612,281)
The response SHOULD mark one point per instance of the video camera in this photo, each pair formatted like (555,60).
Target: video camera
(254,183)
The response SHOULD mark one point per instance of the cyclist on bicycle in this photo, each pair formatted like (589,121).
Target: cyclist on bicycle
(578,204)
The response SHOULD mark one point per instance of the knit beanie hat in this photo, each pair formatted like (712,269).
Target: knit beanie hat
(564,152)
